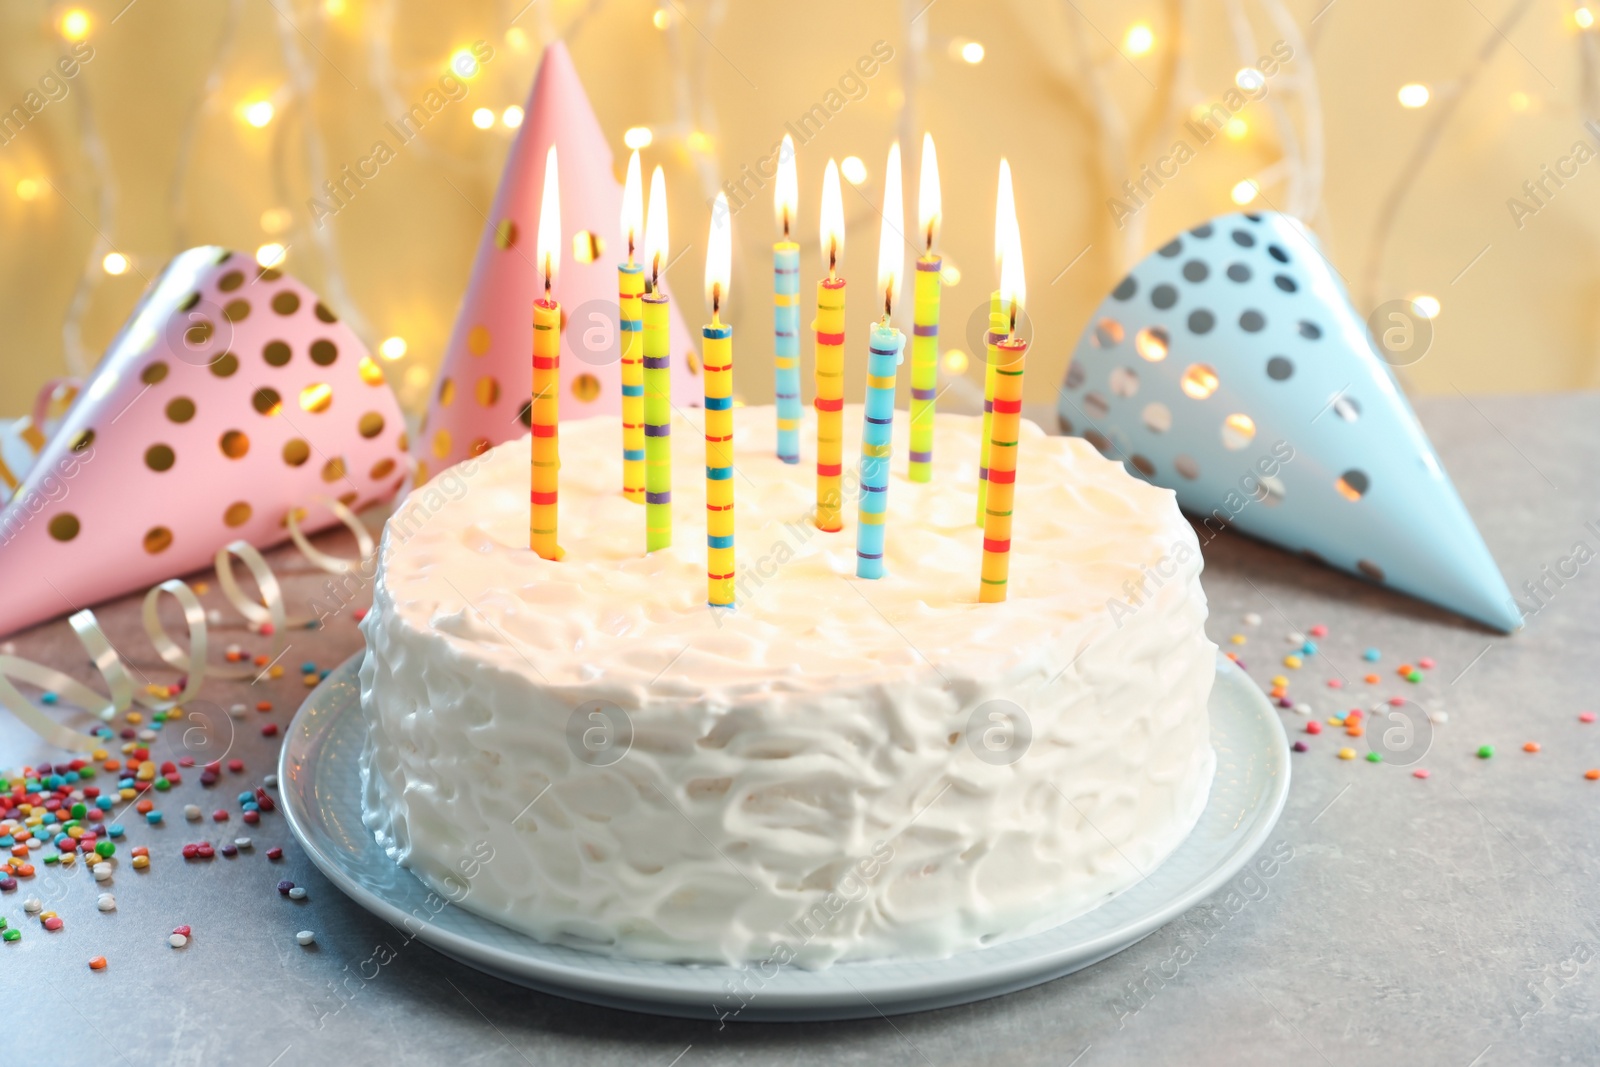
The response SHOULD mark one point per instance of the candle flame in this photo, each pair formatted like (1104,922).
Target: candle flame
(891,242)
(1013,284)
(1005,211)
(832,219)
(786,191)
(930,215)
(633,206)
(719,256)
(548,245)
(655,227)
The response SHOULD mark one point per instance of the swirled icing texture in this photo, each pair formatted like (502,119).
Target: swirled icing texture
(803,779)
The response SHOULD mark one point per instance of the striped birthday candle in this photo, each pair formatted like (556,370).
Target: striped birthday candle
(630,287)
(1005,430)
(883,359)
(924,365)
(657,423)
(786,346)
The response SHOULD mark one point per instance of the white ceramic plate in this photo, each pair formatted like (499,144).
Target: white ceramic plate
(320,790)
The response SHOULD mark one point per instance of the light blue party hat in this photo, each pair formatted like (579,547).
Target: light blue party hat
(1231,367)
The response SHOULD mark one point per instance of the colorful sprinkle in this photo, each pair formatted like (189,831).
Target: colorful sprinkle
(97,963)
(1372,655)
(1301,746)
(1586,716)
(1423,772)
(1347,753)
(177,940)
(1374,757)
(1531,746)
(305,937)
(1485,751)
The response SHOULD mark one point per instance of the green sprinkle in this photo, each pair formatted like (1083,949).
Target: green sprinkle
(1485,751)
(162,784)
(11,935)
(1414,676)
(105,848)
(1374,757)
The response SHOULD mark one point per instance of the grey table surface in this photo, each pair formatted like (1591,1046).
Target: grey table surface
(1441,921)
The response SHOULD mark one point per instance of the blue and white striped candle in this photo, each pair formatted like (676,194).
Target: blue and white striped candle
(883,360)
(786,346)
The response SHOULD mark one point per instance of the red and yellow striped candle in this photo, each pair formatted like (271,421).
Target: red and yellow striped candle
(1005,429)
(718,361)
(829,327)
(544,409)
(1005,220)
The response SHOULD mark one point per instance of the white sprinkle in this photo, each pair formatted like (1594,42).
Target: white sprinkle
(177,940)
(1252,619)
(191,812)
(305,937)
(242,842)
(237,710)
(1302,708)
(1294,637)
(33,905)
(102,872)
(1439,716)
(270,781)
(297,893)
(106,902)
(214,616)
(147,735)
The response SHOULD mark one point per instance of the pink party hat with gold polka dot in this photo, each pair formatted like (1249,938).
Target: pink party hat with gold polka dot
(484,385)
(231,397)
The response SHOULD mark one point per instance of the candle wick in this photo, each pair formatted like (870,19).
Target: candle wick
(630,248)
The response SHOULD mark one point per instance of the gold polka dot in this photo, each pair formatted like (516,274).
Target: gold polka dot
(333,470)
(266,401)
(692,361)
(180,409)
(478,340)
(299,516)
(198,334)
(371,373)
(154,373)
(276,353)
(371,424)
(505,234)
(441,444)
(64,527)
(381,469)
(422,471)
(271,274)
(159,457)
(324,314)
(157,540)
(225,365)
(286,303)
(488,391)
(234,444)
(238,514)
(231,281)
(349,498)
(480,446)
(84,439)
(324,352)
(586,387)
(316,398)
(296,451)
(404,444)
(447,392)
(236,310)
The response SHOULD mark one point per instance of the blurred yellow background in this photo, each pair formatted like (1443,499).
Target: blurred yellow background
(216,121)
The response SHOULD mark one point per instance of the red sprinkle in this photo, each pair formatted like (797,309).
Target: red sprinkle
(1313,727)
(1426,663)
(275,853)
(53,923)
(1586,716)
(220,815)
(270,730)
(236,765)
(184,930)
(1334,683)
(1395,702)
(1319,630)
(1420,772)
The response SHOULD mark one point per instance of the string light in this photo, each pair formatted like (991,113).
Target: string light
(1583,17)
(275,220)
(483,118)
(698,141)
(1245,192)
(1520,101)
(1249,79)
(392,348)
(955,361)
(75,24)
(517,38)
(661,19)
(27,189)
(333,8)
(638,137)
(464,63)
(1425,305)
(1236,129)
(511,117)
(1414,95)
(258,113)
(972,52)
(950,274)
(852,170)
(1139,39)
(271,255)
(115,263)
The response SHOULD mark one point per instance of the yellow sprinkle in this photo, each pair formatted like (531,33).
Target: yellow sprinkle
(1347,753)
(1237,639)
(153,690)
(310,680)
(99,754)
(275,672)
(128,793)
(201,588)
(141,862)
(1292,662)
(1279,682)
(175,713)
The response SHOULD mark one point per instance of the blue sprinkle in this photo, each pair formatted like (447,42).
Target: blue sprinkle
(308,667)
(251,806)
(1309,648)
(49,698)
(103,803)
(1371,655)
(115,829)
(152,817)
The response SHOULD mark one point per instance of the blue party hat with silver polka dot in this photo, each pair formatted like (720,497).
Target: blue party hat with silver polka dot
(1231,367)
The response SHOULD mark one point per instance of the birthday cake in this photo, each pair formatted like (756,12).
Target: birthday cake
(835,769)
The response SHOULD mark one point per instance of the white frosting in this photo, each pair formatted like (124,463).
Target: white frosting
(800,782)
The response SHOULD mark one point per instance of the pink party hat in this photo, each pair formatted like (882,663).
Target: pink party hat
(230,397)
(486,379)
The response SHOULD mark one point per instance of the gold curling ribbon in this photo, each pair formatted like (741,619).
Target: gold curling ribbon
(123,692)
